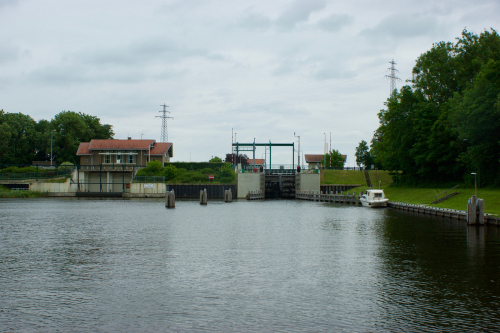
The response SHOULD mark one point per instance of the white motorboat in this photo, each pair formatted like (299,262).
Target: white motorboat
(374,198)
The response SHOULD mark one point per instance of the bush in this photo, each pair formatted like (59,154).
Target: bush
(194,165)
(11,169)
(153,168)
(170,172)
(66,166)
(207,171)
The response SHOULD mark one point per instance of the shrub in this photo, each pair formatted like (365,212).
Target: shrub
(11,169)
(170,172)
(207,171)
(66,166)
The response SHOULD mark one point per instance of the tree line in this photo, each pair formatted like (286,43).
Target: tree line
(23,140)
(445,124)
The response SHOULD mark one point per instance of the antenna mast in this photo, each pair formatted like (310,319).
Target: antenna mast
(164,117)
(393,76)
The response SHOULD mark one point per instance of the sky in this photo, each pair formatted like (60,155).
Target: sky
(228,70)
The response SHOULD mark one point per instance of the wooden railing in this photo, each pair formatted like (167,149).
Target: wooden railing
(445,194)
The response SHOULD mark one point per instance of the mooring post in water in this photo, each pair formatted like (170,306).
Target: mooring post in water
(480,209)
(475,209)
(203,197)
(228,196)
(170,199)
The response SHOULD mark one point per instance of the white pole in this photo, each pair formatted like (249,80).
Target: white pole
(51,144)
(475,183)
(324,152)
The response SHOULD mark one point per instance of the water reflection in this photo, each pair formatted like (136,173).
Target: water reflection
(438,270)
(246,266)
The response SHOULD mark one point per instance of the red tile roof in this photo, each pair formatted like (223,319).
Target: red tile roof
(160,148)
(83,149)
(120,144)
(311,158)
(258,161)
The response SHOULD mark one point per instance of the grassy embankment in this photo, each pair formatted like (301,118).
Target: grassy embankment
(342,177)
(6,192)
(415,195)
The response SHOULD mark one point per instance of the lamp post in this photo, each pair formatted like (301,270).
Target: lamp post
(324,152)
(51,144)
(379,184)
(298,153)
(475,183)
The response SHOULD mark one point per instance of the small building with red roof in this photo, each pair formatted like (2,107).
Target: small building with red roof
(314,160)
(116,161)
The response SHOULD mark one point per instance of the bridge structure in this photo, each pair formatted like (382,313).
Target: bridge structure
(252,145)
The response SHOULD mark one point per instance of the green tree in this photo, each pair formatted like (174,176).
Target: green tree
(19,132)
(215,159)
(448,121)
(336,158)
(363,156)
(71,128)
(170,172)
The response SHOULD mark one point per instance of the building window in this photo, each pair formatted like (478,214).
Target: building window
(86,160)
(107,157)
(131,158)
(118,157)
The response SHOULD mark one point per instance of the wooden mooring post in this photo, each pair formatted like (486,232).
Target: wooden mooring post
(228,196)
(475,211)
(170,199)
(203,197)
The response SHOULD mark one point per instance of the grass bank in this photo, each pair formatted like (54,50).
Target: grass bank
(424,196)
(6,192)
(341,177)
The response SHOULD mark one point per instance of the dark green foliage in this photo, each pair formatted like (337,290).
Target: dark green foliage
(337,160)
(363,156)
(173,174)
(448,123)
(207,171)
(22,140)
(152,168)
(195,165)
(215,159)
(170,172)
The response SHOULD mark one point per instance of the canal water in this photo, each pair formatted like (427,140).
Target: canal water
(277,265)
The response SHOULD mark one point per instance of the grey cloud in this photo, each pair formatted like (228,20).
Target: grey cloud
(299,11)
(254,21)
(402,26)
(330,72)
(8,52)
(5,3)
(335,22)
(145,52)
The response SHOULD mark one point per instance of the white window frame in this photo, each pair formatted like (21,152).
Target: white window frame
(131,158)
(107,157)
(118,157)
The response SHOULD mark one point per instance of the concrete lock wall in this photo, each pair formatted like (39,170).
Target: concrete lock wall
(248,182)
(53,187)
(148,188)
(309,182)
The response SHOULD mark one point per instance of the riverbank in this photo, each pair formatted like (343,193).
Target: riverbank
(413,195)
(8,193)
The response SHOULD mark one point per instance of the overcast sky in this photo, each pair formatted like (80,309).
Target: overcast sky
(266,69)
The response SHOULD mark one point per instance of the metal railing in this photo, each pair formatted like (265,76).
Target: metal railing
(149,179)
(36,175)
(445,193)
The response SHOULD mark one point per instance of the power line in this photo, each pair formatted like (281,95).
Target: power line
(164,117)
(393,76)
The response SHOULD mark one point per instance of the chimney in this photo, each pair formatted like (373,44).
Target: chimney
(130,138)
